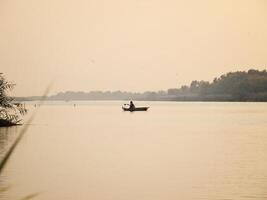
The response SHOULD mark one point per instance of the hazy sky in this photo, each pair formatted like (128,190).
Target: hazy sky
(132,45)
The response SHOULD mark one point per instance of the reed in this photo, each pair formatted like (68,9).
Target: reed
(17,141)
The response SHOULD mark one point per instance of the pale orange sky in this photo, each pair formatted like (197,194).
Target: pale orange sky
(132,45)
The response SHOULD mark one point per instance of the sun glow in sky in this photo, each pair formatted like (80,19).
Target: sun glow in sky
(132,45)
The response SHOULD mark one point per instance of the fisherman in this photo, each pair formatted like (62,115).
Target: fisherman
(132,106)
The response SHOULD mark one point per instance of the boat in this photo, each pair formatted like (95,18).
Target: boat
(135,109)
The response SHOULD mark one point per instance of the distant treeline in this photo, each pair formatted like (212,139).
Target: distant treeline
(233,86)
(100,95)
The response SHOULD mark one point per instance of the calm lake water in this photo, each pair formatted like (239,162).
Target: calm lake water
(176,150)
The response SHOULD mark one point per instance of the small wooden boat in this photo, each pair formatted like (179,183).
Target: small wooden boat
(135,109)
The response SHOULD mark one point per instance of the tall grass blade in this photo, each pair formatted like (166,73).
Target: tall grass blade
(30,196)
(22,132)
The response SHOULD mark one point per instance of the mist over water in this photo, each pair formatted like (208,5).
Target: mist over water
(175,150)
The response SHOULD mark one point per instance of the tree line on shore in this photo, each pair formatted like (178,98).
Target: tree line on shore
(248,85)
(233,86)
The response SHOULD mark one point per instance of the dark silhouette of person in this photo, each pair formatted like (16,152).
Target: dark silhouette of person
(132,106)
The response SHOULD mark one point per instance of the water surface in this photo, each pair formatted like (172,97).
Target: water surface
(94,150)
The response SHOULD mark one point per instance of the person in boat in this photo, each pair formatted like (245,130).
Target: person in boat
(132,106)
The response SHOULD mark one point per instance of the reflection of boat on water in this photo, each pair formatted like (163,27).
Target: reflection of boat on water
(135,109)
